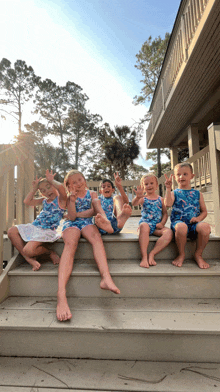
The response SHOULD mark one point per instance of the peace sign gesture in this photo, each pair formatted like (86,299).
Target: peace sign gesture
(117,179)
(35,183)
(50,176)
(168,182)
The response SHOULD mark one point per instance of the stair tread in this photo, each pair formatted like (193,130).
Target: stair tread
(114,315)
(52,374)
(122,268)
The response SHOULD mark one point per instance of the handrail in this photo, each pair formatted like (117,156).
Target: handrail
(16,168)
(201,168)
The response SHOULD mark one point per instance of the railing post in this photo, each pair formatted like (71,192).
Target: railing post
(25,176)
(214,135)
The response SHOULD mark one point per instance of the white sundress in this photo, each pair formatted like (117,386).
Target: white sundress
(44,227)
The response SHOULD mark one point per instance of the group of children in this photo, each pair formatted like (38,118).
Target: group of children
(87,215)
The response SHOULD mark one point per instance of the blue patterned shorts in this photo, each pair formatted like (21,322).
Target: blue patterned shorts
(79,223)
(192,233)
(152,225)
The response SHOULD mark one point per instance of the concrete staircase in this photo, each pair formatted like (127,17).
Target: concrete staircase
(164,315)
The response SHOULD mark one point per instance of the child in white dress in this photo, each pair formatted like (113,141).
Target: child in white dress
(29,238)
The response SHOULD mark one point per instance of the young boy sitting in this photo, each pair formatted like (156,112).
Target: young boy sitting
(188,211)
(116,209)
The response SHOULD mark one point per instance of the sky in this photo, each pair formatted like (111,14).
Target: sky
(90,42)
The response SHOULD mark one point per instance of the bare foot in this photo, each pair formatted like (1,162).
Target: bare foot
(108,284)
(63,310)
(124,215)
(144,263)
(151,259)
(35,264)
(103,223)
(54,257)
(201,263)
(178,262)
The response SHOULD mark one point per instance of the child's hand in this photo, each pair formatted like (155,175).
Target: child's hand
(195,219)
(50,176)
(139,192)
(159,225)
(73,194)
(35,183)
(168,182)
(117,180)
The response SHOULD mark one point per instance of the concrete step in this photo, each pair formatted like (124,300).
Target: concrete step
(125,246)
(116,328)
(49,375)
(161,281)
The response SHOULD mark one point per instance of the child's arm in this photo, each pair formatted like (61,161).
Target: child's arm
(29,199)
(139,198)
(71,206)
(120,188)
(90,212)
(161,224)
(169,197)
(203,211)
(60,188)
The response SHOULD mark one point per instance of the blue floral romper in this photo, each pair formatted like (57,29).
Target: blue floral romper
(151,213)
(43,229)
(107,204)
(82,204)
(186,206)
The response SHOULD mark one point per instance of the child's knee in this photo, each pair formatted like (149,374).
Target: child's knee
(203,228)
(181,229)
(144,228)
(12,231)
(168,234)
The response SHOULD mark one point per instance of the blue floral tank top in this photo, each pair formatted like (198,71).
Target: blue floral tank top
(186,205)
(50,216)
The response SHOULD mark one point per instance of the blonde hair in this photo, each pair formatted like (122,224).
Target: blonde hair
(147,175)
(42,180)
(183,164)
(71,173)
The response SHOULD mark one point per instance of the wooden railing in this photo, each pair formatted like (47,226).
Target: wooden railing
(201,168)
(178,52)
(16,176)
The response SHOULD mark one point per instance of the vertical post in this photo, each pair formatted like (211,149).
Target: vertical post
(193,144)
(2,205)
(25,176)
(173,161)
(214,136)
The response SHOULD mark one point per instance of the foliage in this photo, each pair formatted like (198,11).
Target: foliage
(118,149)
(149,62)
(17,86)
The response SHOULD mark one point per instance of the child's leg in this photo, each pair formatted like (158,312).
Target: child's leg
(144,242)
(19,244)
(92,235)
(121,211)
(71,238)
(181,230)
(36,248)
(203,230)
(166,236)
(101,220)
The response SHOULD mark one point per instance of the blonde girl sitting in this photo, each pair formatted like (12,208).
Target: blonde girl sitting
(79,222)
(154,217)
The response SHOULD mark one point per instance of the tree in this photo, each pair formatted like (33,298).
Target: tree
(17,86)
(46,155)
(83,128)
(149,62)
(118,149)
(165,167)
(54,104)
